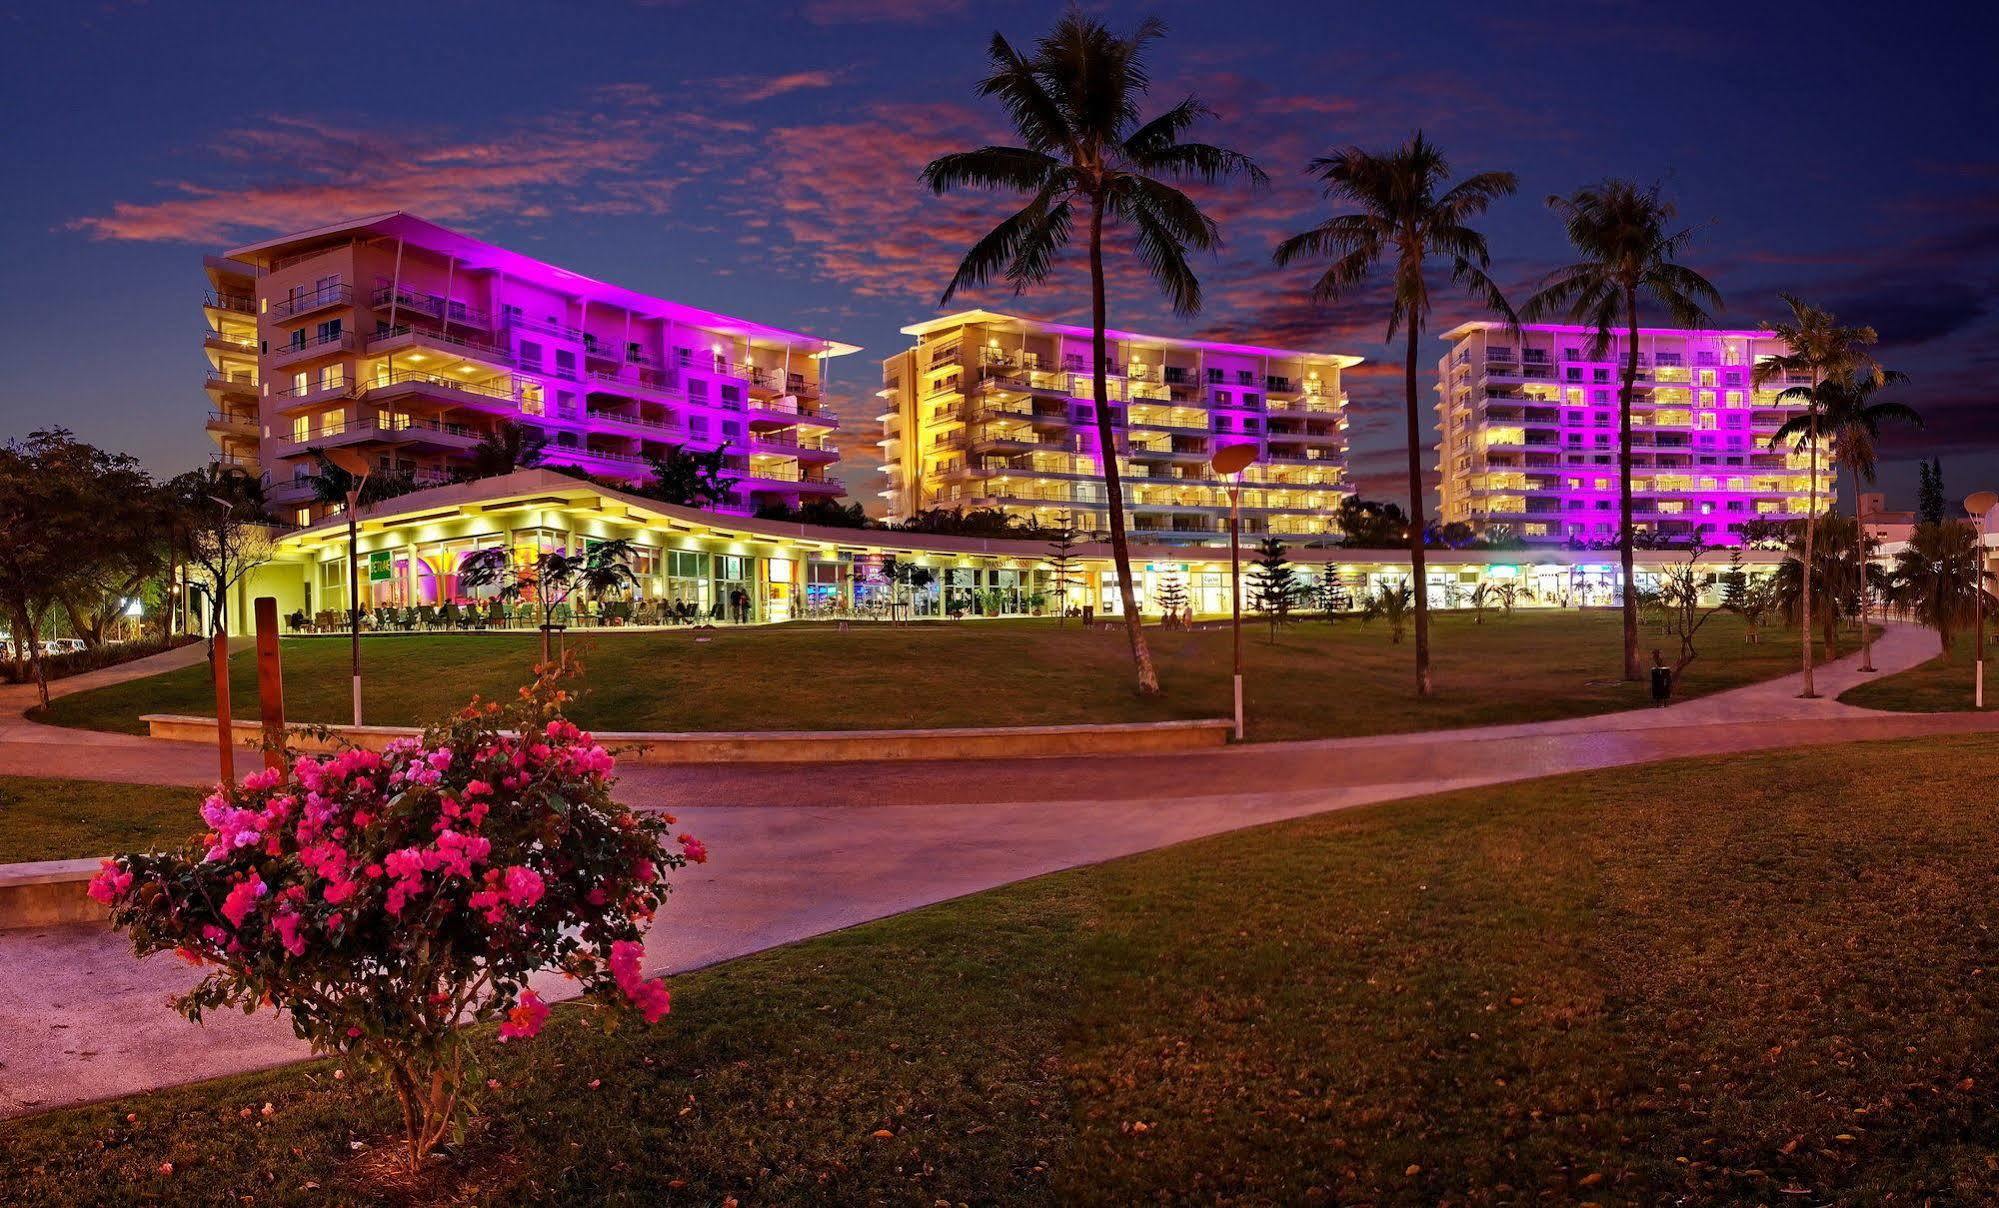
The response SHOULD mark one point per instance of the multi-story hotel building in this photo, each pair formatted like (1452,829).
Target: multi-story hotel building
(993,410)
(1529,435)
(409,342)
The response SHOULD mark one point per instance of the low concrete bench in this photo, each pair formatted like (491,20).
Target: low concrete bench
(48,893)
(793,746)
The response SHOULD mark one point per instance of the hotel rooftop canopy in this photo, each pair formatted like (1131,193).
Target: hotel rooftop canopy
(720,567)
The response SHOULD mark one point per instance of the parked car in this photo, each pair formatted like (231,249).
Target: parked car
(63,646)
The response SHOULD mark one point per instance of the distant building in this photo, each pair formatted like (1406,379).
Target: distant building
(1529,435)
(408,342)
(994,410)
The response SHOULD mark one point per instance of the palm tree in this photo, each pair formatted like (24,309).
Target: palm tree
(1838,576)
(1845,411)
(1629,249)
(1074,105)
(1406,213)
(1823,350)
(502,450)
(1937,573)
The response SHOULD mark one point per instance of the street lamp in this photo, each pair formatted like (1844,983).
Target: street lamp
(357,474)
(1977,505)
(1229,463)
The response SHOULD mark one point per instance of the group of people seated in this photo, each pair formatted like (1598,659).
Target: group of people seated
(499,614)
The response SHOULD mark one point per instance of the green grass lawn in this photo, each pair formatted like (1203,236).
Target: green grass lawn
(1751,980)
(1941,685)
(65,819)
(1317,679)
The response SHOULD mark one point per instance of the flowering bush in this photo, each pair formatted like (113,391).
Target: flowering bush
(385,899)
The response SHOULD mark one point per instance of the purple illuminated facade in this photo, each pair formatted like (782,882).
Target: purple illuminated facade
(409,342)
(1528,422)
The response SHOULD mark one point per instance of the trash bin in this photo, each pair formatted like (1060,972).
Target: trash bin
(1662,685)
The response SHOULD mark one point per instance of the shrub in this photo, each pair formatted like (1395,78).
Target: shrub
(383,900)
(110,654)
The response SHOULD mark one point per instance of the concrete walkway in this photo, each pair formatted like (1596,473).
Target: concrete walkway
(83,1020)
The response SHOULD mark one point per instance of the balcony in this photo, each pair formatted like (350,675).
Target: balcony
(561,331)
(233,423)
(502,393)
(297,305)
(791,442)
(241,304)
(786,408)
(404,300)
(307,349)
(222,341)
(664,428)
(232,381)
(402,336)
(399,430)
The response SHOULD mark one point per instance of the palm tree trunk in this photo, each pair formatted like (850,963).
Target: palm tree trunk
(1806,615)
(1417,568)
(1860,567)
(1141,657)
(1626,539)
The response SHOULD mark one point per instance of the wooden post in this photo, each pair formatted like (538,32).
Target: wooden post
(218,657)
(270,682)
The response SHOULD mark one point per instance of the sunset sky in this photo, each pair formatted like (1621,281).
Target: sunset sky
(761,159)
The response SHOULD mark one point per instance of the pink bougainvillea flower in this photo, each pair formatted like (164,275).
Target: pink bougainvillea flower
(694,849)
(524,886)
(110,883)
(242,900)
(525,1020)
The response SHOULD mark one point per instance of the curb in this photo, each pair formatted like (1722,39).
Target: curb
(785,746)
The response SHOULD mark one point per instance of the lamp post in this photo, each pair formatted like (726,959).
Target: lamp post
(357,472)
(1976,506)
(1229,463)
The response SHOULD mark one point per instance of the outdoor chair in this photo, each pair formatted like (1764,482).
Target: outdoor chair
(448,615)
(427,616)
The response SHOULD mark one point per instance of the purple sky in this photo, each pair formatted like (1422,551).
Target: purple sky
(761,159)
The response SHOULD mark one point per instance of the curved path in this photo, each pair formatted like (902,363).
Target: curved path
(83,1020)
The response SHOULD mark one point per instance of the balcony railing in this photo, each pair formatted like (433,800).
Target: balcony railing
(504,387)
(298,304)
(422,302)
(240,303)
(477,348)
(245,343)
(245,380)
(561,331)
(342,340)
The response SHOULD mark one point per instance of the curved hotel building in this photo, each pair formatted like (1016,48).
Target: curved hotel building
(994,410)
(1529,435)
(409,342)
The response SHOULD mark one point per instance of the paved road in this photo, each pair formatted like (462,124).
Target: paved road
(83,1020)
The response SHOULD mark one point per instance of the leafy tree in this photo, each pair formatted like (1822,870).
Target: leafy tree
(62,512)
(1850,419)
(904,580)
(1391,604)
(1369,524)
(826,513)
(1481,598)
(1273,583)
(1333,594)
(1929,492)
(551,579)
(1172,599)
(1085,154)
(1939,574)
(1831,592)
(1687,594)
(1407,215)
(1824,350)
(970,522)
(1629,249)
(690,478)
(330,484)
(225,532)
(1061,562)
(506,447)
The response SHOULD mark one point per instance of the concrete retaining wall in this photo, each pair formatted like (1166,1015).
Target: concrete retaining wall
(792,746)
(48,893)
